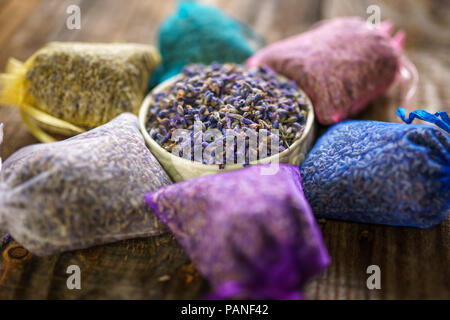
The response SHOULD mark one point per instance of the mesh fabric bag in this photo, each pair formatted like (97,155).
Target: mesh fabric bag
(66,88)
(196,33)
(380,172)
(84,191)
(250,232)
(342,64)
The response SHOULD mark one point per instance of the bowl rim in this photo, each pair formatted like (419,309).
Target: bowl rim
(145,106)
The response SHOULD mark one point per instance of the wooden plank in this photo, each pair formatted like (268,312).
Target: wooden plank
(414,263)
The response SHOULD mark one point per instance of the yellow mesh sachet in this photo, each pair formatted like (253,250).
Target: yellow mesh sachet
(66,88)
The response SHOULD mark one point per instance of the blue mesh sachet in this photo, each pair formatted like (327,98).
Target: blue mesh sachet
(378,172)
(197,33)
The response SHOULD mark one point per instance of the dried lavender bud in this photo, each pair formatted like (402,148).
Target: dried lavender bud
(84,191)
(252,235)
(378,172)
(5,239)
(342,64)
(85,84)
(233,100)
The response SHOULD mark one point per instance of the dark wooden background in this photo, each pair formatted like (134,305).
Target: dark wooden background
(414,263)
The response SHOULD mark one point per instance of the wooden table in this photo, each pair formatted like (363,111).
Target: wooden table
(414,263)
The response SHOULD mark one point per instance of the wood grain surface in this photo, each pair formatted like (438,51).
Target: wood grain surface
(414,263)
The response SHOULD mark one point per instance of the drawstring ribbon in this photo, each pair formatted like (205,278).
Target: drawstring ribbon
(440,118)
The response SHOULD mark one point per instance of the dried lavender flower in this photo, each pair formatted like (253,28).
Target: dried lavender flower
(84,191)
(250,234)
(379,172)
(234,101)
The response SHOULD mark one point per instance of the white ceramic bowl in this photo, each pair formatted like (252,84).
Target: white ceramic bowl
(181,169)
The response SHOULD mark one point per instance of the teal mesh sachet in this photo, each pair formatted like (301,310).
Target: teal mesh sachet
(197,33)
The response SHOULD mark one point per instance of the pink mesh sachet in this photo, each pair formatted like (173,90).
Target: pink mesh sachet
(342,64)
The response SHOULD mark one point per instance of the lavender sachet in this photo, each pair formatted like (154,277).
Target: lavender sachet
(378,172)
(251,232)
(81,192)
(342,64)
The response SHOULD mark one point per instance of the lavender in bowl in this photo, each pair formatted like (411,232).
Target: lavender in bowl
(226,117)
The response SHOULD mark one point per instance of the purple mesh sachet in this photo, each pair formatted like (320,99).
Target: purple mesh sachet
(251,234)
